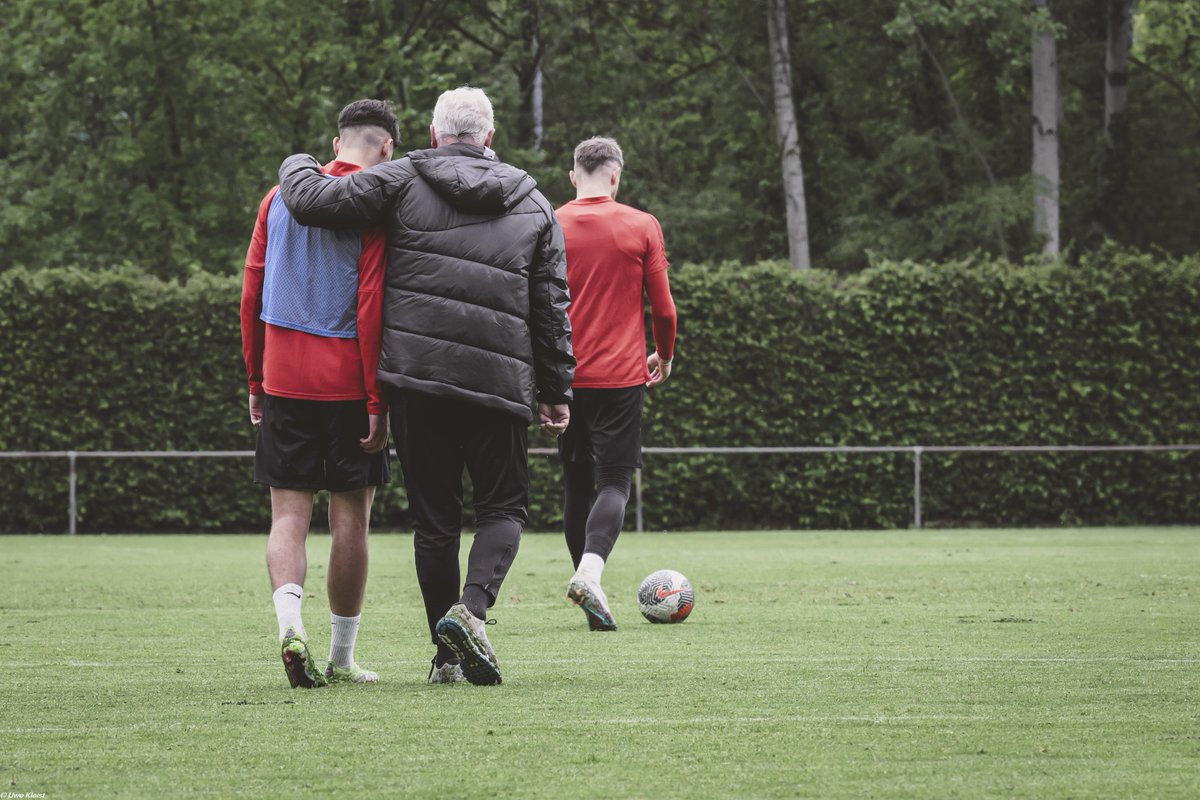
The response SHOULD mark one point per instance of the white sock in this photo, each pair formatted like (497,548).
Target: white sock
(591,567)
(287,609)
(342,633)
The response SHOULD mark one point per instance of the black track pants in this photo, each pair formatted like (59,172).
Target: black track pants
(436,438)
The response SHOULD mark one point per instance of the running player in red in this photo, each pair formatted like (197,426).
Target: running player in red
(311,320)
(614,254)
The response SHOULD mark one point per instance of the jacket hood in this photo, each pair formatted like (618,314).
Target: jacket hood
(471,180)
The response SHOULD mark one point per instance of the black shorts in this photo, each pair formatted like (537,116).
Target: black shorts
(606,427)
(313,445)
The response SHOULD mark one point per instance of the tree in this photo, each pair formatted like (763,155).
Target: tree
(151,129)
(146,131)
(1116,60)
(514,37)
(970,138)
(963,72)
(787,135)
(1114,158)
(1045,131)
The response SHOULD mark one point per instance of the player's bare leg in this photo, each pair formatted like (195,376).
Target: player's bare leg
(287,563)
(349,521)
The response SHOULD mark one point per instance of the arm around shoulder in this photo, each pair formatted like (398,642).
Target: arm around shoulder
(358,200)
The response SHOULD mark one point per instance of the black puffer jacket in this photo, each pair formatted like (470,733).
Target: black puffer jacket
(475,304)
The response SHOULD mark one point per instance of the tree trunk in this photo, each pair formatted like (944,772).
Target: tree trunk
(535,100)
(1114,161)
(788,135)
(1116,60)
(1045,135)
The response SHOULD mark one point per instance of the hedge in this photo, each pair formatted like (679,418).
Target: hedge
(971,352)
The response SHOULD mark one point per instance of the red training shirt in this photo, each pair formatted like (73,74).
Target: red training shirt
(290,363)
(613,252)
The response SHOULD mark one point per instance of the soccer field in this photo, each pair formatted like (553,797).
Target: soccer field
(1061,663)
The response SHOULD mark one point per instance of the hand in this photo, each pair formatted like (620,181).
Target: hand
(659,370)
(256,409)
(554,418)
(377,431)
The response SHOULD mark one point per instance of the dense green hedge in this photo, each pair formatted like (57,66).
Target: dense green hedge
(1107,352)
(966,353)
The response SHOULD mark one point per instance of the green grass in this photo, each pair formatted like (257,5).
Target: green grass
(896,664)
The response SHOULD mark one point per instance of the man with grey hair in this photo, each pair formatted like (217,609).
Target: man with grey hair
(476,340)
(614,254)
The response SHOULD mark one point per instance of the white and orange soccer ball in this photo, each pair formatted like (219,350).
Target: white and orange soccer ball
(665,596)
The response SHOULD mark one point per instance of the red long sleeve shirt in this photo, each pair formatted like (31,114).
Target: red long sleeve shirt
(614,252)
(291,363)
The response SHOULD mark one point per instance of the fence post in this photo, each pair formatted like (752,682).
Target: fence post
(917,486)
(71,504)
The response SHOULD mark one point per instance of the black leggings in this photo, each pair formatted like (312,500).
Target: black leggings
(594,507)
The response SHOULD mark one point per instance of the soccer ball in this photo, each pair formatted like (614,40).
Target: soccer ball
(665,596)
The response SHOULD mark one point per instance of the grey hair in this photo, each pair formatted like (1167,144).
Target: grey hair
(463,113)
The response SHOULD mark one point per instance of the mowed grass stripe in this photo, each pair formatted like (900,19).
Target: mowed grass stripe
(885,664)
(831,661)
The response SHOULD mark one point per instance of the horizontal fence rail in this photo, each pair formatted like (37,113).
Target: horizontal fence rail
(73,457)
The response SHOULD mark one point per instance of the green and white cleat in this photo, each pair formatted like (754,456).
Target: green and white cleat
(463,633)
(298,662)
(351,674)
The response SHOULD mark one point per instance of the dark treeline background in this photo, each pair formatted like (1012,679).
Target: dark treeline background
(146,131)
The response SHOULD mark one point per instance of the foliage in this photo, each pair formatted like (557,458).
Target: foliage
(1164,88)
(147,131)
(118,361)
(970,352)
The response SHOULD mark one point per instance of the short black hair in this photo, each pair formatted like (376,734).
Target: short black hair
(369,114)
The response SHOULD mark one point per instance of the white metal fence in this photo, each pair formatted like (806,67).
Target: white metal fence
(73,456)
